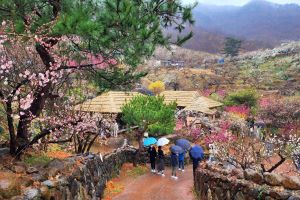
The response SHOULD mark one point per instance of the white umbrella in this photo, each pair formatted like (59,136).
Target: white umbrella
(162,142)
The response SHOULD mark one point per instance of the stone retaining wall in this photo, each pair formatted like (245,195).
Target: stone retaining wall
(217,184)
(78,177)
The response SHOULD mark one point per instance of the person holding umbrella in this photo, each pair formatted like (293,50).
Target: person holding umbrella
(185,145)
(196,154)
(174,163)
(160,161)
(160,155)
(176,150)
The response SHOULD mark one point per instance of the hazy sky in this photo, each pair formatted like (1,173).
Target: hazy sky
(237,2)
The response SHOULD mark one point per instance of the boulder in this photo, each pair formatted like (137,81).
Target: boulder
(273,179)
(54,167)
(31,170)
(39,177)
(18,169)
(254,176)
(32,194)
(49,183)
(291,182)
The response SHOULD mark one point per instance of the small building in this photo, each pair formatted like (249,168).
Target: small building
(107,103)
(192,101)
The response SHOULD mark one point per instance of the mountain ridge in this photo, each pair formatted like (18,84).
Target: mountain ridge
(261,24)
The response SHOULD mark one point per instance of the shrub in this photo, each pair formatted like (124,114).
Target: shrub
(157,87)
(37,160)
(246,97)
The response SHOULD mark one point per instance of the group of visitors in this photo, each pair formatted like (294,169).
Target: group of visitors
(157,161)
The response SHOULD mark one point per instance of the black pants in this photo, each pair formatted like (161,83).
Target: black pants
(152,164)
(195,166)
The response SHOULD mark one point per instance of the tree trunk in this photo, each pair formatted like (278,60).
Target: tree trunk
(11,128)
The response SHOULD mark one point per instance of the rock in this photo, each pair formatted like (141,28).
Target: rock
(32,194)
(90,156)
(4,151)
(279,194)
(18,169)
(54,167)
(62,181)
(45,192)
(239,196)
(254,176)
(293,198)
(237,173)
(49,183)
(32,170)
(273,179)
(39,177)
(9,188)
(291,182)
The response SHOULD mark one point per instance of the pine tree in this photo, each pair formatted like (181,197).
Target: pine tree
(73,29)
(150,114)
(232,46)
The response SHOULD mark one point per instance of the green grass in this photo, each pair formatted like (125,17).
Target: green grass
(37,160)
(137,171)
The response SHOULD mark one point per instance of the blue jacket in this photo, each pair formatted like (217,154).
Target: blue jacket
(174,160)
(181,156)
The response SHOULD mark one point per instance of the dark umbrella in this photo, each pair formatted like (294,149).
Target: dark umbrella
(183,143)
(145,91)
(260,123)
(176,149)
(197,152)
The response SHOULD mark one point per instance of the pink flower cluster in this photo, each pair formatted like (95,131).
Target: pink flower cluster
(195,133)
(241,110)
(265,102)
(206,92)
(222,135)
(221,93)
(179,125)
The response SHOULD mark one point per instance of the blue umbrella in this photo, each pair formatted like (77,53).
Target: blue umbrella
(149,141)
(176,149)
(183,143)
(197,152)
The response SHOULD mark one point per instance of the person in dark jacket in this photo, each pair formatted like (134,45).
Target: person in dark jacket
(152,154)
(160,161)
(181,161)
(195,163)
(174,163)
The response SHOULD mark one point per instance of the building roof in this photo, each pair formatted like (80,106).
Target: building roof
(112,102)
(192,101)
(182,98)
(109,102)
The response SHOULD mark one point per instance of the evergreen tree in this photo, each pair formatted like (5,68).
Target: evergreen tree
(72,30)
(150,114)
(232,46)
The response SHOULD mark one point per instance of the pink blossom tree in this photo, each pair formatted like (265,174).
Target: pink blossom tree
(44,43)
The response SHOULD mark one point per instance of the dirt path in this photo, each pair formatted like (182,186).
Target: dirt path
(154,187)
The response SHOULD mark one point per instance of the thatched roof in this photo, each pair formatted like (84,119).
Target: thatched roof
(109,102)
(182,98)
(112,102)
(192,101)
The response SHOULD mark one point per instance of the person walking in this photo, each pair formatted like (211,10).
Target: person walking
(174,163)
(152,154)
(195,163)
(160,161)
(181,161)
